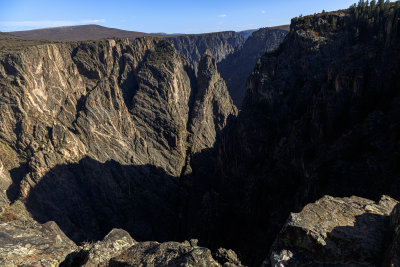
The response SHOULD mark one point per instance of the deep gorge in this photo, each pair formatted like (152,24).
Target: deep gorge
(120,133)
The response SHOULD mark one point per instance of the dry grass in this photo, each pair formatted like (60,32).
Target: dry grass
(8,157)
(8,216)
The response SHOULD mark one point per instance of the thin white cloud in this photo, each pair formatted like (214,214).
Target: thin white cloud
(262,11)
(48,23)
(222,16)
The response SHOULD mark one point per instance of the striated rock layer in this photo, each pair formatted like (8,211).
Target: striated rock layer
(95,130)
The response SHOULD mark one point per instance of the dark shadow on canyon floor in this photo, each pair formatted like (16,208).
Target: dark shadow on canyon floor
(89,198)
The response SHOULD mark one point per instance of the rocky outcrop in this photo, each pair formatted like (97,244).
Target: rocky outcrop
(341,231)
(99,254)
(323,124)
(27,243)
(237,67)
(227,258)
(220,44)
(96,130)
(165,254)
(31,244)
(118,248)
(113,244)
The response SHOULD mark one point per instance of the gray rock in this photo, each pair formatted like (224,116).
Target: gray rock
(335,231)
(33,244)
(220,44)
(212,107)
(112,245)
(164,254)
(118,248)
(227,257)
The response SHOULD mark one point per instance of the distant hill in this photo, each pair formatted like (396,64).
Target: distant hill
(247,33)
(80,33)
(281,27)
(96,32)
(10,42)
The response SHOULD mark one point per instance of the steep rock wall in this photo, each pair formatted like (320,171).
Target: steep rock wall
(97,130)
(320,117)
(220,44)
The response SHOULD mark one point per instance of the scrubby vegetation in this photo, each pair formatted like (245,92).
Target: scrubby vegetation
(363,20)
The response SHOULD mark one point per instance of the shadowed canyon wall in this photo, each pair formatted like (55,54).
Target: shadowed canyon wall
(321,116)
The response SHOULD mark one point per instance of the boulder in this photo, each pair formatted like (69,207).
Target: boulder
(351,231)
(165,254)
(227,257)
(112,245)
(24,243)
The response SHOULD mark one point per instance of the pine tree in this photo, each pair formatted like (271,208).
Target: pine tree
(386,7)
(373,4)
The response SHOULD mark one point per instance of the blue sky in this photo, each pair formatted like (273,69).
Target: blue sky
(170,16)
